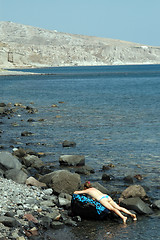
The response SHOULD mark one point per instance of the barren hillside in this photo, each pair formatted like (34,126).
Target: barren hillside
(26,46)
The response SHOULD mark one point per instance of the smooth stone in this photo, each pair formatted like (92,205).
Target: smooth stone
(137,205)
(72,160)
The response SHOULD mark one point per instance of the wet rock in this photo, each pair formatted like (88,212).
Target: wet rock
(106,177)
(72,160)
(41,120)
(133,191)
(54,105)
(19,105)
(20,152)
(32,161)
(30,120)
(138,177)
(33,182)
(137,205)
(86,170)
(8,161)
(156,204)
(128,179)
(15,124)
(2,110)
(26,134)
(67,143)
(2,105)
(31,110)
(105,167)
(62,181)
(18,176)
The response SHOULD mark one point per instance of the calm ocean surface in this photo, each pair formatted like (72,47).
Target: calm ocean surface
(113,115)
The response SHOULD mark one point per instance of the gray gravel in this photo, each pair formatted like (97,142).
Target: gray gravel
(16,200)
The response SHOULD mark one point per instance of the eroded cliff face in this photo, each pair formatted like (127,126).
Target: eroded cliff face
(26,46)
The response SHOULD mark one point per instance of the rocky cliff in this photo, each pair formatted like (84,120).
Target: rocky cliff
(26,46)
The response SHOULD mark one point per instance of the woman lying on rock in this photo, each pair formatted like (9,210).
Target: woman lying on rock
(106,201)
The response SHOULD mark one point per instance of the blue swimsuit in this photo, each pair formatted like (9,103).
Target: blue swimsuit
(106,196)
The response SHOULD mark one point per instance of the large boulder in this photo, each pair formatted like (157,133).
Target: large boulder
(137,205)
(18,176)
(72,160)
(86,207)
(132,192)
(8,161)
(62,181)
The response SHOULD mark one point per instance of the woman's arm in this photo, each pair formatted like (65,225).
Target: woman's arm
(82,191)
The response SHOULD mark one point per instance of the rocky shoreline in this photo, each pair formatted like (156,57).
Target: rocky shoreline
(35,199)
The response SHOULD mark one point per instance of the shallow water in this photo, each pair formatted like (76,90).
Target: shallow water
(112,113)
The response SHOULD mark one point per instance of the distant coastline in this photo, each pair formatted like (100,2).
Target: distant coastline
(33,47)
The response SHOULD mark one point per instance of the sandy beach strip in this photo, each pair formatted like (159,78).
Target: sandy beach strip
(4,72)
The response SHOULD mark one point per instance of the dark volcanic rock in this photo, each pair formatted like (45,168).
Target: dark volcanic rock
(106,177)
(26,133)
(137,205)
(68,144)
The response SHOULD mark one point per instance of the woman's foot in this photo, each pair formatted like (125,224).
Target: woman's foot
(124,220)
(134,217)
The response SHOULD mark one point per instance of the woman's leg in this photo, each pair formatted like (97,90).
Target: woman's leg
(107,205)
(115,205)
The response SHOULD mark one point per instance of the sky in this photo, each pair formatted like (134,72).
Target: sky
(129,20)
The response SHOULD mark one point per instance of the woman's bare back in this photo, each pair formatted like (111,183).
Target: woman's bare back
(93,192)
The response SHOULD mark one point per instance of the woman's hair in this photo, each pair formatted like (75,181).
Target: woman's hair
(87,184)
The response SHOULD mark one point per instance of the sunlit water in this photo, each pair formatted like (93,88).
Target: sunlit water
(112,113)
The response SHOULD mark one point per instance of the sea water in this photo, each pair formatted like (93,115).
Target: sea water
(112,113)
